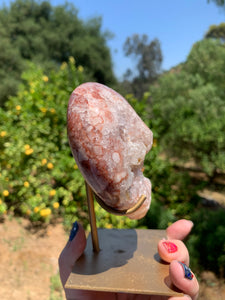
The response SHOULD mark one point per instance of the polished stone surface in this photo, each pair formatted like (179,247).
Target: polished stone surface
(109,142)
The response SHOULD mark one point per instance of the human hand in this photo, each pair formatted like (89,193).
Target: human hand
(171,250)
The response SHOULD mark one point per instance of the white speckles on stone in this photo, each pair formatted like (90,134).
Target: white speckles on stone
(120,176)
(89,128)
(116,157)
(109,142)
(98,150)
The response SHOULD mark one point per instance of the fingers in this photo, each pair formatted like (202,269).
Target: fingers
(170,250)
(174,252)
(184,279)
(179,230)
(72,251)
(174,248)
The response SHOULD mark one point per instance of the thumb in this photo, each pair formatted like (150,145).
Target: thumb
(72,251)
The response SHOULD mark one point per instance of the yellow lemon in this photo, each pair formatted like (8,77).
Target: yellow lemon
(6,193)
(3,133)
(45,212)
(36,209)
(50,166)
(43,109)
(29,151)
(108,226)
(56,205)
(26,184)
(45,78)
(52,193)
(44,161)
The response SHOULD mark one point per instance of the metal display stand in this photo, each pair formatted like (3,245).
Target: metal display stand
(121,260)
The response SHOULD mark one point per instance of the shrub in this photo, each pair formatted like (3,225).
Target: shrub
(207,241)
(188,108)
(173,192)
(39,176)
(174,197)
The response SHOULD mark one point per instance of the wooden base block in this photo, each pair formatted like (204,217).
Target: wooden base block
(128,262)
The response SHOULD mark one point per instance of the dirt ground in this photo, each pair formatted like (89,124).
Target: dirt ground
(28,258)
(29,267)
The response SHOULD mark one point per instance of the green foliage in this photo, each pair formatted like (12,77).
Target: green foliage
(107,220)
(172,189)
(47,35)
(38,175)
(188,108)
(216,32)
(173,192)
(11,67)
(207,241)
(174,197)
(220,3)
(39,178)
(188,111)
(148,57)
(158,217)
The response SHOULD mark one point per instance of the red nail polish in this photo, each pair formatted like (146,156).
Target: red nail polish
(170,247)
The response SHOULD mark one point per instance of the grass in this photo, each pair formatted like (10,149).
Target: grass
(56,289)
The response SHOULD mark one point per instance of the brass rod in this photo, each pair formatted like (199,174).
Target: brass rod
(91,210)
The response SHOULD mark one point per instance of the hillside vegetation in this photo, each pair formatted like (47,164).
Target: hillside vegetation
(184,107)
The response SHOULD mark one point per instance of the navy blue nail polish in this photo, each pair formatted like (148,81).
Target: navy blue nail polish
(73,231)
(187,271)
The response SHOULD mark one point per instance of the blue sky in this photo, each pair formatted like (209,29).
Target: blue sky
(178,24)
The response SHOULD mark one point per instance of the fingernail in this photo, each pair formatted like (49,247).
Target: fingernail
(187,271)
(170,247)
(192,224)
(73,231)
